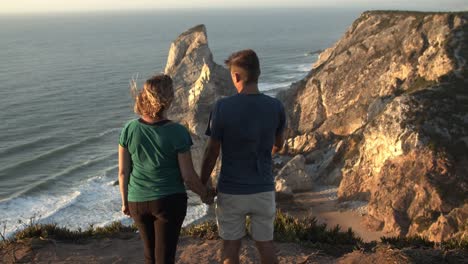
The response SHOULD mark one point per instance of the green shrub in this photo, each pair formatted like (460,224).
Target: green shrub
(418,241)
(206,230)
(290,229)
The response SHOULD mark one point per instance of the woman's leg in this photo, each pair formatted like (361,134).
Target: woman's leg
(145,223)
(169,215)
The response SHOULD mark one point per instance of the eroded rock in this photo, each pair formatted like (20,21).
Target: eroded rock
(394,89)
(293,177)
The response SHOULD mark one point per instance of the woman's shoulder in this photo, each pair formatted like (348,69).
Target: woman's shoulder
(173,125)
(130,125)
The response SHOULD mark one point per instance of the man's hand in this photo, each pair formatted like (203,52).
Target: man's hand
(209,196)
(278,145)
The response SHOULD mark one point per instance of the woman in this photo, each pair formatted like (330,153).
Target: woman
(154,163)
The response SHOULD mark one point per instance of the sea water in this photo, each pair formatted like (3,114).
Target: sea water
(64,95)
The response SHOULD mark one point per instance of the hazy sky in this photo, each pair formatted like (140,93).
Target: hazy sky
(44,6)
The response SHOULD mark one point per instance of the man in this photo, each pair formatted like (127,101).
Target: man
(248,128)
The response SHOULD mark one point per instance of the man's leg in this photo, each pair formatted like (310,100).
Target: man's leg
(262,218)
(230,216)
(231,251)
(267,252)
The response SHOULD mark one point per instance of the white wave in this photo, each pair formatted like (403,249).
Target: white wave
(33,208)
(108,131)
(94,202)
(65,172)
(194,213)
(294,77)
(264,86)
(111,170)
(302,67)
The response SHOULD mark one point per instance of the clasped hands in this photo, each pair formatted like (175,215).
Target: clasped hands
(209,195)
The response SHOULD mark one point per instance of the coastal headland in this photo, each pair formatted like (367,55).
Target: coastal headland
(377,142)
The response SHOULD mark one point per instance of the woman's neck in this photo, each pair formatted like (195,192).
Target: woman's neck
(151,120)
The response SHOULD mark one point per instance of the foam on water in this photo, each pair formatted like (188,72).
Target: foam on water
(21,209)
(94,202)
(263,86)
(303,67)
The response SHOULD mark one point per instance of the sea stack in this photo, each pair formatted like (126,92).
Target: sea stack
(394,91)
(198,80)
(198,83)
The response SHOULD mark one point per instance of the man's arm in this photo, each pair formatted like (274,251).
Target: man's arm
(279,138)
(279,142)
(209,159)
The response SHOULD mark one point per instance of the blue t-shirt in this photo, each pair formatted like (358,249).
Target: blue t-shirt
(246,125)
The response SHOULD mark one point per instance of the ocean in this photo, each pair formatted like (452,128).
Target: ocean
(64,95)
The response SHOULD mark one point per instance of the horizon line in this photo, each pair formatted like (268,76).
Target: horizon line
(255,8)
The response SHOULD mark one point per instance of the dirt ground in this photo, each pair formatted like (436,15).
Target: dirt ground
(128,248)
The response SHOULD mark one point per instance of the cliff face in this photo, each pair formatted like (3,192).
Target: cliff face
(198,80)
(381,55)
(394,90)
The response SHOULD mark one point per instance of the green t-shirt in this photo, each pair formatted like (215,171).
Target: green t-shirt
(153,148)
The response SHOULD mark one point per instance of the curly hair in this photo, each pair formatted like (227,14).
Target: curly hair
(155,97)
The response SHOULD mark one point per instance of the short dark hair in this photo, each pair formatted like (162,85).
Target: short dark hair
(248,62)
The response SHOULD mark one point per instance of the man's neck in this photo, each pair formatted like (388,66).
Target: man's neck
(249,89)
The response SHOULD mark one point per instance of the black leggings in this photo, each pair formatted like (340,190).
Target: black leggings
(159,223)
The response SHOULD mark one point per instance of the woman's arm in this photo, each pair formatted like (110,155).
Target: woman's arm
(124,174)
(191,178)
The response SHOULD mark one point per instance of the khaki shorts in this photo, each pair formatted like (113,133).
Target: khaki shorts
(231,212)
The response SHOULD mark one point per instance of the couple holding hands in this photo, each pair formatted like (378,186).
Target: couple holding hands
(155,165)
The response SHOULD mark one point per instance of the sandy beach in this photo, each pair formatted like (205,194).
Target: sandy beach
(322,203)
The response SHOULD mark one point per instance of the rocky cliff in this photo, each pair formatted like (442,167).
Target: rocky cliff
(198,80)
(389,101)
(198,83)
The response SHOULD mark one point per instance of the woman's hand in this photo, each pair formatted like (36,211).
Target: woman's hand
(124,172)
(208,196)
(125,209)
(191,178)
